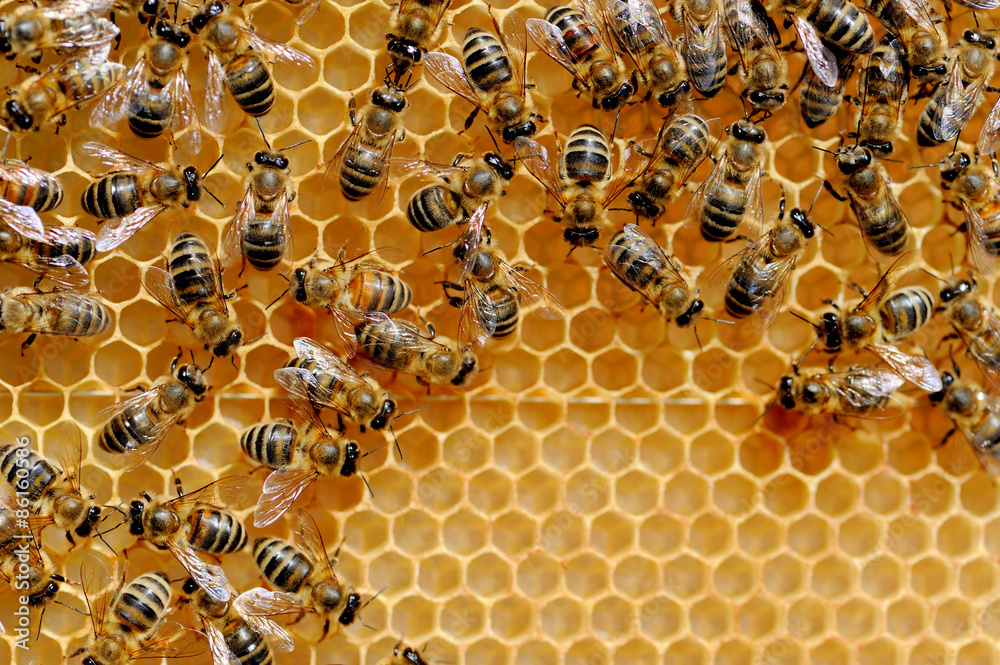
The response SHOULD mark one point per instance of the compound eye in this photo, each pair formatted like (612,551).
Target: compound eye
(281,162)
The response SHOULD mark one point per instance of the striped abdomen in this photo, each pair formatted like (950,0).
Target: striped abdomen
(704,51)
(116,195)
(434,208)
(818,101)
(80,80)
(588,156)
(376,291)
(265,241)
(249,80)
(843,24)
(271,444)
(193,269)
(282,564)
(41,474)
(149,113)
(883,224)
(77,243)
(77,314)
(635,261)
(216,531)
(685,140)
(578,35)
(486,63)
(249,646)
(43,195)
(748,288)
(389,345)
(506,311)
(905,312)
(143,602)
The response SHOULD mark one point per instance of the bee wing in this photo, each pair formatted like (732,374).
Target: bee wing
(433,10)
(645,14)
(744,29)
(652,252)
(915,369)
(215,88)
(22,219)
(984,447)
(425,169)
(231,491)
(262,602)
(771,283)
(887,282)
(172,641)
(183,114)
(981,5)
(232,237)
(515,45)
(308,349)
(989,136)
(116,160)
(115,231)
(960,103)
(917,10)
(279,638)
(986,362)
(277,51)
(631,167)
(859,385)
(471,239)
(95,579)
(115,105)
(701,46)
(304,392)
(549,39)
(307,535)
(534,157)
(151,436)
(308,10)
(159,284)
(692,212)
(217,644)
(212,579)
(71,457)
(755,202)
(531,292)
(447,70)
(823,61)
(978,237)
(64,270)
(343,325)
(477,321)
(281,489)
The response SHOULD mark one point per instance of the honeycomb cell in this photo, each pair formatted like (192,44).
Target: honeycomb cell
(685,576)
(636,652)
(613,618)
(439,575)
(976,652)
(688,652)
(367,530)
(710,618)
(711,453)
(809,619)
(810,536)
(562,619)
(858,619)
(908,537)
(978,578)
(957,536)
(929,651)
(859,535)
(394,569)
(512,617)
(734,494)
(612,451)
(661,534)
(834,577)
(882,651)
(932,495)
(831,652)
(761,454)
(413,616)
(514,533)
(636,577)
(538,492)
(636,492)
(686,493)
(515,449)
(836,495)
(759,535)
(759,618)
(931,577)
(661,451)
(882,577)
(735,577)
(536,652)
(979,495)
(463,617)
(611,533)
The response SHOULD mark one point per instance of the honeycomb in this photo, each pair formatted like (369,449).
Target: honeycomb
(605,492)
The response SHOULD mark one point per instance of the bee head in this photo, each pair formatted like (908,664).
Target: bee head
(409,655)
(766,100)
(785,387)
(527,130)
(172,33)
(978,38)
(643,205)
(150,8)
(922,72)
(43,596)
(580,237)
(352,453)
(688,317)
(353,603)
(190,586)
(802,222)
(469,365)
(18,115)
(390,98)
(202,18)
(854,159)
(93,516)
(228,345)
(193,378)
(192,182)
(954,165)
(500,165)
(963,287)
(382,419)
(830,331)
(668,99)
(299,284)
(271,158)
(404,50)
(618,99)
(947,379)
(135,512)
(746,130)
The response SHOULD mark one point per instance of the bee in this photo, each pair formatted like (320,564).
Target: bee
(23,565)
(400,346)
(975,187)
(975,322)
(362,162)
(134,192)
(953,103)
(23,185)
(491,78)
(973,412)
(703,46)
(731,194)
(260,232)
(58,253)
(25,309)
(680,147)
(639,31)
(308,9)
(134,428)
(925,44)
(883,86)
(53,495)
(304,575)
(860,392)
(641,264)
(247,639)
(884,316)
(319,379)
(299,455)
(881,220)
(238,60)
(414,25)
(575,39)
(404,655)
(155,94)
(763,71)
(193,523)
(838,21)
(44,97)
(349,289)
(495,293)
(466,187)
(65,28)
(143,10)
(192,291)
(757,276)
(581,183)
(818,102)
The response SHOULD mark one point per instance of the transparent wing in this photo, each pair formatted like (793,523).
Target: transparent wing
(534,157)
(95,578)
(22,219)
(959,105)
(261,602)
(549,39)
(304,392)
(978,238)
(984,447)
(281,489)
(64,270)
(989,136)
(644,14)
(434,10)
(308,9)
(84,70)
(702,49)
(212,579)
(232,237)
(216,644)
(343,325)
(477,321)
(515,45)
(917,10)
(116,160)
(115,231)
(635,161)
(715,179)
(447,70)
(279,638)
(823,61)
(425,169)
(917,370)
(277,51)
(755,203)
(532,293)
(115,105)
(886,283)
(769,283)
(215,88)
(988,363)
(172,641)
(860,385)
(159,284)
(230,491)
(308,349)
(183,114)
(307,535)
(149,434)
(981,5)
(641,251)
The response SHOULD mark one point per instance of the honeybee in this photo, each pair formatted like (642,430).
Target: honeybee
(414,25)
(134,428)
(575,39)
(23,565)
(155,94)
(247,639)
(495,293)
(133,192)
(860,392)
(837,21)
(129,622)
(299,455)
(260,232)
(641,264)
(44,98)
(25,309)
(53,495)
(57,253)
(238,60)
(973,412)
(976,189)
(731,194)
(308,9)
(304,575)
(193,523)
(143,10)
(976,323)
(492,80)
(953,103)
(881,220)
(640,32)
(925,44)
(884,316)
(703,46)
(404,655)
(362,162)
(23,185)
(757,276)
(763,71)
(581,183)
(192,291)
(883,86)
(319,379)
(400,346)
(466,187)
(819,102)
(680,147)
(348,290)
(70,27)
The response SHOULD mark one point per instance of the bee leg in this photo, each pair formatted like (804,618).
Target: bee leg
(352,110)
(340,422)
(945,439)
(326,630)
(834,193)
(138,388)
(27,342)
(470,119)
(302,614)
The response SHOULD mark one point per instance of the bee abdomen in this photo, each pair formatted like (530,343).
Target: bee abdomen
(906,311)
(579,38)
(250,83)
(723,212)
(112,196)
(215,531)
(143,602)
(66,243)
(374,291)
(485,61)
(79,316)
(249,647)
(40,476)
(271,444)
(506,312)
(387,344)
(149,116)
(361,172)
(587,155)
(637,263)
(886,229)
(745,294)
(127,430)
(282,564)
(45,195)
(264,242)
(192,269)
(434,208)
(845,26)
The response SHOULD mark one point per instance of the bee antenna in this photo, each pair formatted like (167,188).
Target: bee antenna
(398,449)
(493,138)
(113,509)
(696,338)
(75,609)
(824,229)
(927,166)
(406,413)
(41,616)
(100,536)
(366,484)
(937,277)
(372,451)
(795,366)
(294,145)
(6,140)
(763,413)
(257,118)
(284,277)
(275,301)
(192,357)
(209,192)
(374,597)
(214,164)
(802,318)
(820,189)
(437,248)
(730,323)
(251,341)
(829,152)
(208,366)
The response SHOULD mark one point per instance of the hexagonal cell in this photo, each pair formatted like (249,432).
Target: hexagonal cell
(636,492)
(809,618)
(736,577)
(539,575)
(439,575)
(515,449)
(978,578)
(686,493)
(661,451)
(564,449)
(636,576)
(858,619)
(612,618)
(882,651)
(909,536)
(735,494)
(512,617)
(931,577)
(860,535)
(784,575)
(957,536)
(786,494)
(415,532)
(711,535)
(661,534)
(932,494)
(929,651)
(976,652)
(688,651)
(562,619)
(587,575)
(759,618)
(488,575)
(759,535)
(810,535)
(394,569)
(834,577)
(761,454)
(836,495)
(565,371)
(413,616)
(538,492)
(514,533)
(466,449)
(685,576)
(882,577)
(463,617)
